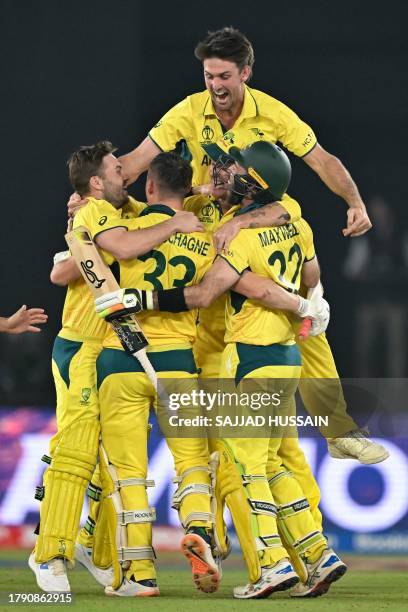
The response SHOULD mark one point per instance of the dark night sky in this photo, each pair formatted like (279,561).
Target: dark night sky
(75,72)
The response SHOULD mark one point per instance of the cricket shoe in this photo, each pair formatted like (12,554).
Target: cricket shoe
(321,574)
(357,445)
(51,576)
(131,588)
(84,556)
(278,577)
(196,548)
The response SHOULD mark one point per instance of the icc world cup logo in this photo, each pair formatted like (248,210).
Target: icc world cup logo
(207,133)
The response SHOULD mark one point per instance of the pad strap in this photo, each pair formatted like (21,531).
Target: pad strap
(39,493)
(198,516)
(136,553)
(46,459)
(312,538)
(247,479)
(268,541)
(190,489)
(94,492)
(196,468)
(263,507)
(133,482)
(299,505)
(136,516)
(272,481)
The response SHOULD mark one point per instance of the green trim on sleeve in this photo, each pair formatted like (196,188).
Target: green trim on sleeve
(154,142)
(231,266)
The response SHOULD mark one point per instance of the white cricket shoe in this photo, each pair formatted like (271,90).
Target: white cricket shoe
(51,576)
(321,574)
(84,556)
(357,445)
(206,572)
(278,577)
(128,588)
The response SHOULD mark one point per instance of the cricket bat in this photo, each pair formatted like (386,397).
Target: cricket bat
(100,280)
(314,294)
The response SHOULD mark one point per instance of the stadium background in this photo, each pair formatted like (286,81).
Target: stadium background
(76,72)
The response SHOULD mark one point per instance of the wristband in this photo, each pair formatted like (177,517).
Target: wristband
(61,256)
(172,300)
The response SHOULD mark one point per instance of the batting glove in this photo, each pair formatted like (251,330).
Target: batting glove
(123,301)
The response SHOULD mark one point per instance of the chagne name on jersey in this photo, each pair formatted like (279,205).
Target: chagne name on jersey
(273,235)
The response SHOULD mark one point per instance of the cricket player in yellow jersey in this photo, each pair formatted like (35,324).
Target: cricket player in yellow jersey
(213,213)
(94,173)
(126,395)
(263,551)
(241,115)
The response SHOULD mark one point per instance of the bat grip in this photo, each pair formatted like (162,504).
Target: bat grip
(146,365)
(305,328)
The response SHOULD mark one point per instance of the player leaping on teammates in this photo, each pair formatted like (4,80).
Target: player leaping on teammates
(241,115)
(95,173)
(270,510)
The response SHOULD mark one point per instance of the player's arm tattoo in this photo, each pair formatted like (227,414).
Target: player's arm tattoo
(259,216)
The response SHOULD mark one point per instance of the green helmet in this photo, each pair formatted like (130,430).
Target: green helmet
(268,169)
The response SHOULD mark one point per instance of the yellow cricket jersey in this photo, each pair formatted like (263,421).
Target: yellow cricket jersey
(79,320)
(274,252)
(181,260)
(192,127)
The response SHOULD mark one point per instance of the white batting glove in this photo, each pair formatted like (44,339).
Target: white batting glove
(321,319)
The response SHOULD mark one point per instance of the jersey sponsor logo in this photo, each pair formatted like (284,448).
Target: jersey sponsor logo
(206,161)
(257,132)
(207,133)
(308,139)
(102,220)
(86,394)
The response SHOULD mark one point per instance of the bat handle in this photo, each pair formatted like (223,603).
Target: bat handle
(305,328)
(146,365)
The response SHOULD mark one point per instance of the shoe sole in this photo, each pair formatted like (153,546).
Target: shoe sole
(152,593)
(205,576)
(322,587)
(269,589)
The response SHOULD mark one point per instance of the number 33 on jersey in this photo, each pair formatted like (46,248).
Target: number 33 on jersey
(182,260)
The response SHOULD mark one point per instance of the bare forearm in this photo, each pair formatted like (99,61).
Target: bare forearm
(65,272)
(267,292)
(338,179)
(267,216)
(141,241)
(138,160)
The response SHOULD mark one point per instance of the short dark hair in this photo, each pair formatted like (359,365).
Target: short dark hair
(227,44)
(87,162)
(172,173)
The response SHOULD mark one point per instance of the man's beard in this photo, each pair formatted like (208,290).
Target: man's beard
(117,199)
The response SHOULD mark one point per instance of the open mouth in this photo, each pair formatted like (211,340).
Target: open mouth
(221,97)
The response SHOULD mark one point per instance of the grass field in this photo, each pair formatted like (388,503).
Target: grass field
(371,584)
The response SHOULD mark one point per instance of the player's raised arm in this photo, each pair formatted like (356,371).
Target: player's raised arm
(138,160)
(338,179)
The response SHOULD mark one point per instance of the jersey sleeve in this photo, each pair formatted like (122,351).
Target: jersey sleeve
(236,255)
(99,218)
(291,207)
(173,127)
(293,133)
(307,240)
